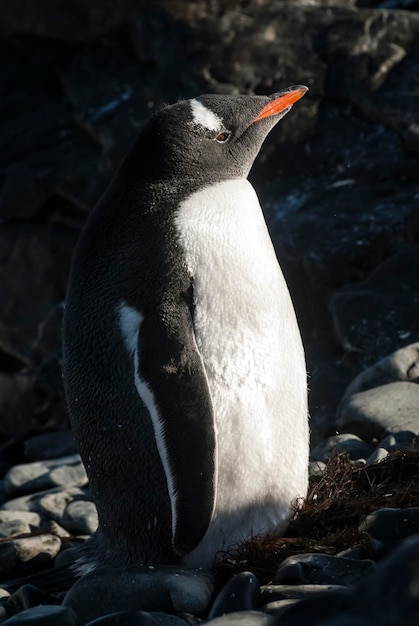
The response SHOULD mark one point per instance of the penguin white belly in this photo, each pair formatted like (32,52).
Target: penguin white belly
(248,337)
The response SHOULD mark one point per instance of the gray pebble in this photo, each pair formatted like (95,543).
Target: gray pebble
(316,468)
(19,556)
(376,412)
(242,618)
(319,569)
(354,447)
(38,476)
(169,589)
(402,365)
(33,519)
(272,594)
(13,528)
(378,455)
(43,616)
(80,517)
(44,502)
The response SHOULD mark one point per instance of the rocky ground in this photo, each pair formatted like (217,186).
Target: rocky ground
(339,180)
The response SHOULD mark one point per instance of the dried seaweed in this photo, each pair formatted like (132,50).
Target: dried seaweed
(328,519)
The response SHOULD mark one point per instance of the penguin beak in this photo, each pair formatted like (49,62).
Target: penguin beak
(282,101)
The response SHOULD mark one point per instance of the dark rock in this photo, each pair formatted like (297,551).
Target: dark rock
(403,440)
(376,314)
(314,611)
(125,618)
(169,589)
(376,412)
(240,593)
(354,447)
(48,615)
(27,597)
(50,445)
(389,596)
(391,525)
(273,594)
(48,504)
(321,569)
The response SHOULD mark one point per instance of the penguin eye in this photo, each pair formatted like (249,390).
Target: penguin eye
(223,137)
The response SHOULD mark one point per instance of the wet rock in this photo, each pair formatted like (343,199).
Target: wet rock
(391,526)
(241,593)
(354,447)
(378,455)
(273,594)
(381,410)
(321,569)
(165,588)
(50,615)
(126,618)
(28,596)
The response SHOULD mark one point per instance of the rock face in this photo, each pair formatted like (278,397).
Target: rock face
(338,179)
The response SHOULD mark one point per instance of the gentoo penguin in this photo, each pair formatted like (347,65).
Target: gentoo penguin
(183,365)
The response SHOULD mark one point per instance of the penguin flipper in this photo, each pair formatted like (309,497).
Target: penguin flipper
(174,387)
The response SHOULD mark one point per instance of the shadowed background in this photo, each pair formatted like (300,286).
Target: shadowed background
(338,178)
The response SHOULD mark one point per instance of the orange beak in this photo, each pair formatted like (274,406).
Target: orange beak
(282,102)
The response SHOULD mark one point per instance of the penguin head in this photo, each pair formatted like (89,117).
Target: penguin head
(211,137)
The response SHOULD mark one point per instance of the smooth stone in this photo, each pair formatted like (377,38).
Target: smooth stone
(27,554)
(348,620)
(4,593)
(124,618)
(403,440)
(390,595)
(13,528)
(318,569)
(38,476)
(351,444)
(378,455)
(402,365)
(272,594)
(240,593)
(54,503)
(316,468)
(377,412)
(33,519)
(29,596)
(166,588)
(45,502)
(312,611)
(390,525)
(166,619)
(48,615)
(242,618)
(50,445)
(80,517)
(277,607)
